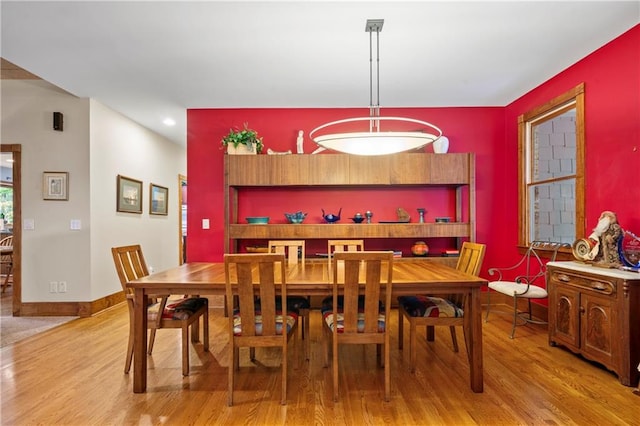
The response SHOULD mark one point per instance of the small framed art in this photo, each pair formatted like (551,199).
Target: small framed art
(55,186)
(129,195)
(158,199)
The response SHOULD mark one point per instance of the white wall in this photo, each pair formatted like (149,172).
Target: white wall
(119,146)
(96,145)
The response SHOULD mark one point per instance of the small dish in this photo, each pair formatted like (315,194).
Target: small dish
(296,217)
(357,219)
(258,219)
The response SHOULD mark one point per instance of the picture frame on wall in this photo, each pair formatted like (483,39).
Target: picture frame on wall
(129,198)
(55,186)
(158,199)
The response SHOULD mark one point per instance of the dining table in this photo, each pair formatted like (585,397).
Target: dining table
(313,278)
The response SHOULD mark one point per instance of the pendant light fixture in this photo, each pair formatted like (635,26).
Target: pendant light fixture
(375,141)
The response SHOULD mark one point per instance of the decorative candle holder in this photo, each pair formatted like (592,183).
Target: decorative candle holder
(421,212)
(368,215)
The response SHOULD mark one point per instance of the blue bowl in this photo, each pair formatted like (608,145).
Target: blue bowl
(258,219)
(296,217)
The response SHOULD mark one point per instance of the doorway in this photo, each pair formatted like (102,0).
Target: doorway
(11,172)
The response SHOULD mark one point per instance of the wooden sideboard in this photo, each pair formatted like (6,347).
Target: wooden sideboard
(595,312)
(450,172)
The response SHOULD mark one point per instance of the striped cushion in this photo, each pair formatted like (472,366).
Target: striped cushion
(428,306)
(327,314)
(291,319)
(177,309)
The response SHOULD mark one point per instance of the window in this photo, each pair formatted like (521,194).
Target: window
(551,172)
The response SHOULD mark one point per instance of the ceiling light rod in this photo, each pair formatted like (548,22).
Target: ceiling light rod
(374,25)
(374,142)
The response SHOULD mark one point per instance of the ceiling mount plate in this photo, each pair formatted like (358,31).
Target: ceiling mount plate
(374,25)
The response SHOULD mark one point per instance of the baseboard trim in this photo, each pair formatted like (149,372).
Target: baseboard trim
(75,309)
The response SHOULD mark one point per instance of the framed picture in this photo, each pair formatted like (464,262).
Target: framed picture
(158,199)
(129,195)
(55,186)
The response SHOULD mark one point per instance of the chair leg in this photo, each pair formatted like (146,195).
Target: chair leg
(129,358)
(486,316)
(185,349)
(152,339)
(431,333)
(284,366)
(305,314)
(454,339)
(515,316)
(335,364)
(231,372)
(412,345)
(400,328)
(205,329)
(387,370)
(325,343)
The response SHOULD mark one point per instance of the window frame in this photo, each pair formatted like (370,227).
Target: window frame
(549,110)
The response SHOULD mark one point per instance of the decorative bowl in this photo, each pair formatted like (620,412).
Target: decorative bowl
(258,219)
(357,219)
(296,217)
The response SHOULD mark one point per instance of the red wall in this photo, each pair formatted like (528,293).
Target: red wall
(612,137)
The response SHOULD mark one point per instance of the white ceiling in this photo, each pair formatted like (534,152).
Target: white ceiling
(154,59)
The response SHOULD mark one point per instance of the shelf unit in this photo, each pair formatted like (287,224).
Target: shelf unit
(452,172)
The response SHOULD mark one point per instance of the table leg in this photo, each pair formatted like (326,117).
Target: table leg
(140,341)
(473,336)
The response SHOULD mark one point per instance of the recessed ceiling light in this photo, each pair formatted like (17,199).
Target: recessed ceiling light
(169,122)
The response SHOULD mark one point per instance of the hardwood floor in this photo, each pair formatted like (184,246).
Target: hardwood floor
(73,375)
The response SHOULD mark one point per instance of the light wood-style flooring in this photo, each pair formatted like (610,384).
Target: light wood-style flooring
(73,375)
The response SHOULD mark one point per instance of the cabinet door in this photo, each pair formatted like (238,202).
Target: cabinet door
(597,328)
(564,311)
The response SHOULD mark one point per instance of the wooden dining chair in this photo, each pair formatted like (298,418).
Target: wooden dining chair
(355,315)
(166,312)
(431,311)
(254,324)
(6,262)
(344,245)
(294,250)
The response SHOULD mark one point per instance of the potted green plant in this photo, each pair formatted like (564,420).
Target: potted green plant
(245,141)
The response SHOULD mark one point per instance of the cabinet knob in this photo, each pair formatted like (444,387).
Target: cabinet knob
(581,309)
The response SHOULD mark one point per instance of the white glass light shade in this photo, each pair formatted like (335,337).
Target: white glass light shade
(375,142)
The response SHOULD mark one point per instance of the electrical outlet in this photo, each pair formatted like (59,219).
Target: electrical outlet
(62,287)
(53,287)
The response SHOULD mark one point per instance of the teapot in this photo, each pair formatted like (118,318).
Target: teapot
(331,218)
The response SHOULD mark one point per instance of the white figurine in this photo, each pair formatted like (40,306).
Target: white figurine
(300,141)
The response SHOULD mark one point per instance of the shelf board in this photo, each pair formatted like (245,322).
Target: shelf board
(337,230)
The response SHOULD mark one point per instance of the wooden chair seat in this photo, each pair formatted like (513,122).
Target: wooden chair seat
(6,262)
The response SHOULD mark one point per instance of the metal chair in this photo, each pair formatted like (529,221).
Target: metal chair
(529,281)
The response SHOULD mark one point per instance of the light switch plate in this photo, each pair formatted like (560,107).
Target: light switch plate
(29,224)
(205,223)
(75,224)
